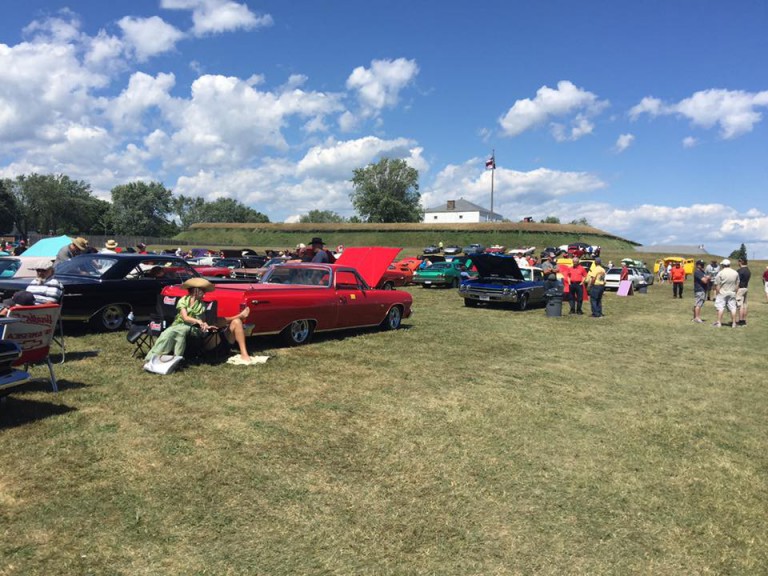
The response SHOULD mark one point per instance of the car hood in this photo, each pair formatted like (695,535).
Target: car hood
(370,261)
(497,265)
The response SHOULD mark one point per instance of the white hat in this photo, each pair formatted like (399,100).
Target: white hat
(725,262)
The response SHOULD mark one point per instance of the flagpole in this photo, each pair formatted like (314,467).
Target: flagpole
(493,171)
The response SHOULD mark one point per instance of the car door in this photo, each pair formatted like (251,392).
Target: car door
(357,305)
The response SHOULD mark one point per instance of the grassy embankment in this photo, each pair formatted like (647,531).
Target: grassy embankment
(473,441)
(412,237)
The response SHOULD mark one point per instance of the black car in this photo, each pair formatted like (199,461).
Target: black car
(104,288)
(501,281)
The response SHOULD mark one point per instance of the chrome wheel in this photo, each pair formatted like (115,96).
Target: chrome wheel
(393,319)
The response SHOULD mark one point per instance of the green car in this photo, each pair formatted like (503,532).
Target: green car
(442,274)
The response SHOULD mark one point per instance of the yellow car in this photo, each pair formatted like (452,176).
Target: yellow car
(688,264)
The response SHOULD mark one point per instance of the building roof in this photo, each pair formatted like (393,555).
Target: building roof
(673,249)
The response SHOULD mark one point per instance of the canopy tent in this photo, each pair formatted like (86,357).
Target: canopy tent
(48,246)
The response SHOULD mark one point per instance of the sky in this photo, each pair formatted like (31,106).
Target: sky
(646,118)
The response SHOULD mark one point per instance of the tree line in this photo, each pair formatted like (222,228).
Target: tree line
(386,191)
(57,204)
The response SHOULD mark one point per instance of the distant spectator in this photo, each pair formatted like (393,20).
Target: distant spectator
(320,254)
(765,281)
(711,270)
(677,275)
(45,288)
(726,285)
(76,247)
(741,293)
(110,247)
(20,248)
(596,284)
(701,282)
(141,248)
(576,276)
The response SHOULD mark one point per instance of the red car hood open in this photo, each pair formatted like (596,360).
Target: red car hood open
(370,261)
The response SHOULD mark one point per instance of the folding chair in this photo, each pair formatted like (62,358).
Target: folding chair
(34,334)
(142,336)
(145,335)
(9,377)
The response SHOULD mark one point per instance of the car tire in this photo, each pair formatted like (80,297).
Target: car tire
(111,318)
(388,286)
(469,303)
(298,332)
(522,304)
(393,319)
(425,285)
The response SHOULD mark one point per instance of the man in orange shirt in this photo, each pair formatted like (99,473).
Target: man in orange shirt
(576,276)
(677,275)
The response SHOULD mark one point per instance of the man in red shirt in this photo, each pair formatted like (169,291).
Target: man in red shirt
(576,275)
(677,275)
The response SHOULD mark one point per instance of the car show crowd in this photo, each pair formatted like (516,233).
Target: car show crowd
(571,273)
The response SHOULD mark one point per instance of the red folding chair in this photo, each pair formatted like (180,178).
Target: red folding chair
(34,334)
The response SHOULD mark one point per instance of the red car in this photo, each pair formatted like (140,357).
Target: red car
(214,271)
(296,300)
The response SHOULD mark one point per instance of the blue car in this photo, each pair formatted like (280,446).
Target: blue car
(501,281)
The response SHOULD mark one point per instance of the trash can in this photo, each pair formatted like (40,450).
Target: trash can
(554,299)
(642,289)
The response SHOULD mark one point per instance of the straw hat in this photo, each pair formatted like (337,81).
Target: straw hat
(111,244)
(81,243)
(201,283)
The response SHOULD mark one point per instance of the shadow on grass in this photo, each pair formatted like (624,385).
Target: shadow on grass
(16,411)
(74,356)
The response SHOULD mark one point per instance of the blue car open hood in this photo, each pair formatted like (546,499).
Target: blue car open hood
(497,265)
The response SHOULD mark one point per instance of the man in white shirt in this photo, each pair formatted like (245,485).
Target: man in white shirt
(45,288)
(726,285)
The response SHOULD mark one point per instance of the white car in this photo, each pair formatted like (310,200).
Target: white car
(612,278)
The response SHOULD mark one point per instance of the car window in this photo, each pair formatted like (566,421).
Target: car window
(439,266)
(91,266)
(8,268)
(297,276)
(348,280)
(537,275)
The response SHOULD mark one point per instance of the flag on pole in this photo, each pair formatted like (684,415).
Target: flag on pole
(490,164)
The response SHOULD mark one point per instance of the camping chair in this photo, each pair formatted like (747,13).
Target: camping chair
(34,334)
(166,313)
(142,336)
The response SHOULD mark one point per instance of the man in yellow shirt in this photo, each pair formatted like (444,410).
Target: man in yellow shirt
(596,287)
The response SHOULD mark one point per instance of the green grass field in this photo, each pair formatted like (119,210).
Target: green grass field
(472,441)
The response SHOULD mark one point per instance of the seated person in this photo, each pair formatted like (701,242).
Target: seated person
(20,298)
(45,288)
(191,317)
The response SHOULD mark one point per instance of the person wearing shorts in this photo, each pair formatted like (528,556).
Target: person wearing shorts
(700,284)
(726,284)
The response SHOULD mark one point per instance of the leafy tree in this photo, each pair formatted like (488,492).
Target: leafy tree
(193,210)
(387,192)
(321,217)
(740,254)
(581,221)
(7,207)
(550,220)
(54,203)
(143,209)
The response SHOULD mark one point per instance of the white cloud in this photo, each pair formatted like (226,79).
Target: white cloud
(566,100)
(143,92)
(735,112)
(689,142)
(338,159)
(217,16)
(379,86)
(623,142)
(147,37)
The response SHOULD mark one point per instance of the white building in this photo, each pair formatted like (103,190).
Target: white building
(460,210)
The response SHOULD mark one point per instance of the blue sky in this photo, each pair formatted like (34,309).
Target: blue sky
(647,118)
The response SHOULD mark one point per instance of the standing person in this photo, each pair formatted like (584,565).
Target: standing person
(765,280)
(701,282)
(677,275)
(596,283)
(109,247)
(20,249)
(624,274)
(76,247)
(320,255)
(576,275)
(741,293)
(711,270)
(726,285)
(45,288)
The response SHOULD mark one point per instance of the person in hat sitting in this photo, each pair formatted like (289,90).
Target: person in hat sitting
(46,288)
(191,318)
(20,298)
(75,248)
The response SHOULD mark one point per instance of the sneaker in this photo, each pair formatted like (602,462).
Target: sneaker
(716,324)
(698,320)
